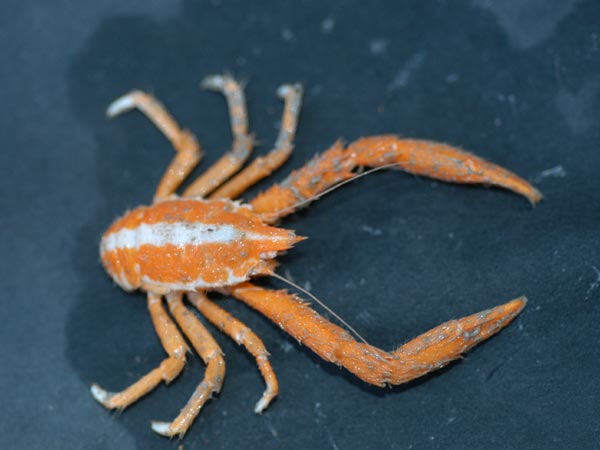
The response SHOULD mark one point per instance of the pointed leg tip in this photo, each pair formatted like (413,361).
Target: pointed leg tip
(120,105)
(213,82)
(162,428)
(262,404)
(102,396)
(285,89)
(535,196)
(268,395)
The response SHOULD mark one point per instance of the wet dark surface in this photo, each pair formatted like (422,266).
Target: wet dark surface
(392,253)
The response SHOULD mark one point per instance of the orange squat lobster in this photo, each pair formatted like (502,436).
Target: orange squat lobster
(204,241)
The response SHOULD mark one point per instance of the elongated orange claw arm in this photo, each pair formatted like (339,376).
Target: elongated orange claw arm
(437,160)
(422,355)
(432,159)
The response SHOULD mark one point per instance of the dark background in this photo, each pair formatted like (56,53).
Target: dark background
(516,82)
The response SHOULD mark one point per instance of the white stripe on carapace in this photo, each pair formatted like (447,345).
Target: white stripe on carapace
(179,233)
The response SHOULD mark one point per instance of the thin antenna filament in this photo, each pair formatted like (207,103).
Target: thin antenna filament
(327,308)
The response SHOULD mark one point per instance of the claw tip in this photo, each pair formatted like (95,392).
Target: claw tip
(514,307)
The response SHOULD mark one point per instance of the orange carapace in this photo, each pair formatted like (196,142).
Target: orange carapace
(181,247)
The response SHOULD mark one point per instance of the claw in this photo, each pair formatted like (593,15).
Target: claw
(422,355)
(440,161)
(336,166)
(446,342)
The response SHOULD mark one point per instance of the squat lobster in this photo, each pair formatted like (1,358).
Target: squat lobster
(204,241)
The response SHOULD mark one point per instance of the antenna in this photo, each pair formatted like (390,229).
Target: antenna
(334,187)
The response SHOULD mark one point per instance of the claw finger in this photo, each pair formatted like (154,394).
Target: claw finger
(440,161)
(422,355)
(446,342)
